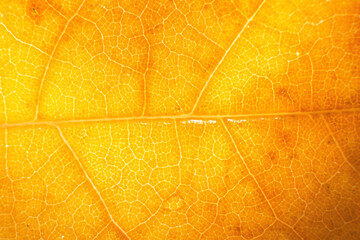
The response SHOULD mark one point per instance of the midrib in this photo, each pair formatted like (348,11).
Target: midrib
(184,117)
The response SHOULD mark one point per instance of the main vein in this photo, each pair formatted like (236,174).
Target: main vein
(170,117)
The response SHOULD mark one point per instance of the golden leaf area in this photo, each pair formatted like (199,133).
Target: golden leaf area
(180,119)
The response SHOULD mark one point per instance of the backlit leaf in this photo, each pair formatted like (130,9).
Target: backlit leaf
(180,119)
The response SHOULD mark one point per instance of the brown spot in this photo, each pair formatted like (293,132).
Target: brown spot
(327,188)
(283,92)
(35,10)
(290,156)
(236,230)
(178,107)
(287,136)
(154,30)
(272,155)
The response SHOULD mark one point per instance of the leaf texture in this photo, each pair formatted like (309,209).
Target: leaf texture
(179,119)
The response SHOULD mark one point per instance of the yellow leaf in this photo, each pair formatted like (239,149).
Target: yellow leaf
(180,119)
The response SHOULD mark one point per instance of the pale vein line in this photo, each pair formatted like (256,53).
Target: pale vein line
(170,117)
(311,82)
(89,179)
(25,43)
(4,100)
(258,185)
(6,154)
(53,8)
(51,58)
(338,145)
(147,66)
(225,54)
(99,233)
(180,151)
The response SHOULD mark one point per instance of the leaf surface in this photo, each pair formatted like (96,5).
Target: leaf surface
(179,119)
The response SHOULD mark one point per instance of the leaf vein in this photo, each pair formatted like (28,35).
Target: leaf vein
(224,56)
(89,179)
